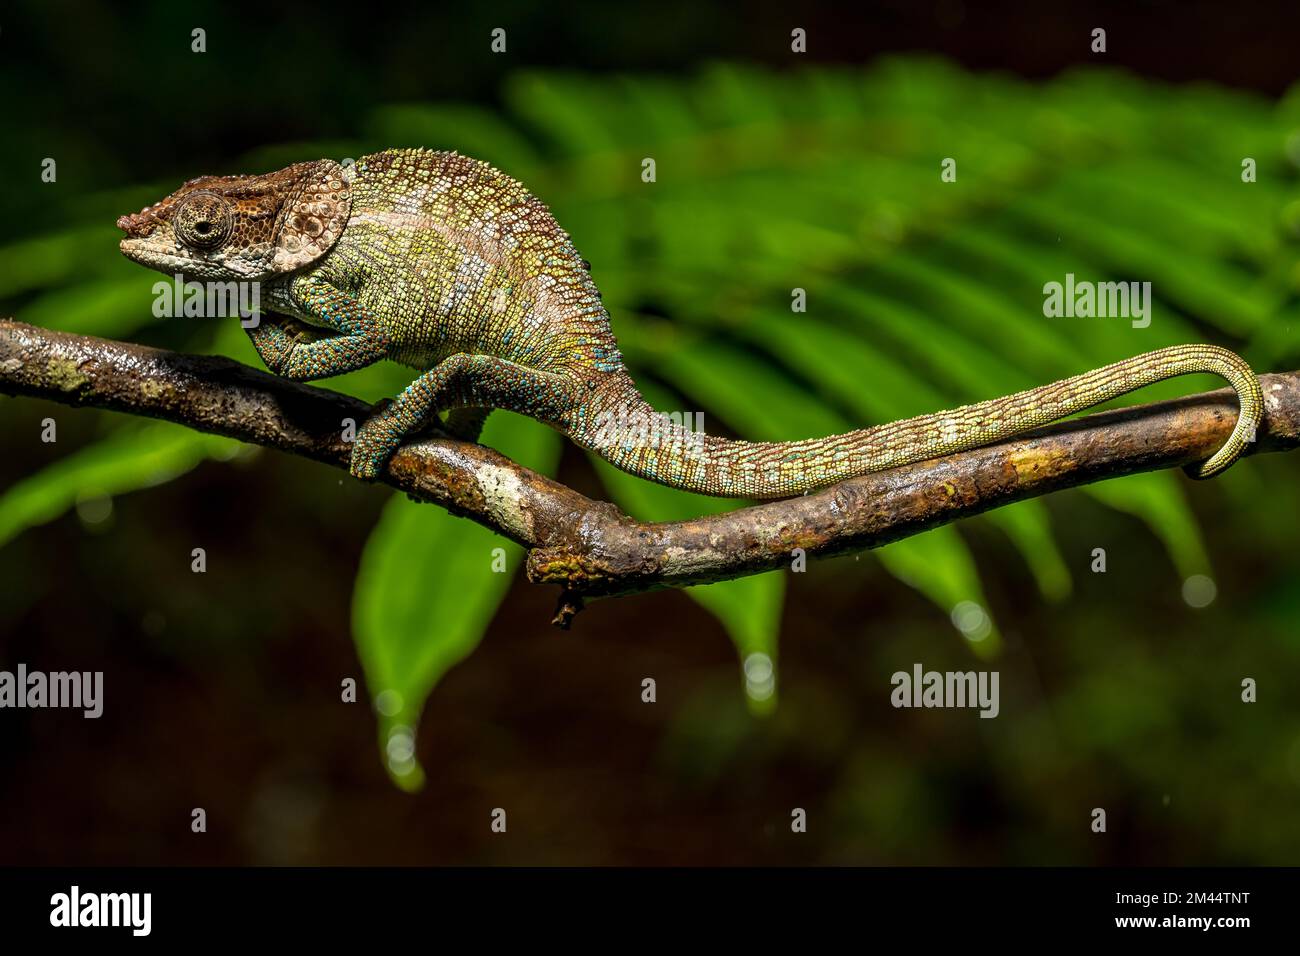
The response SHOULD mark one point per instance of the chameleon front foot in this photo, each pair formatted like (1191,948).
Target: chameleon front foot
(376,442)
(366,465)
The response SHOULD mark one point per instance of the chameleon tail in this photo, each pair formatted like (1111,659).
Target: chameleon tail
(624,430)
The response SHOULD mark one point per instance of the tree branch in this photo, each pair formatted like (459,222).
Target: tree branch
(590,548)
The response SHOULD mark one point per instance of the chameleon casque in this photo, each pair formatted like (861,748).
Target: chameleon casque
(443,263)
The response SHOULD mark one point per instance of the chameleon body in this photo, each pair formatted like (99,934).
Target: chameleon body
(448,265)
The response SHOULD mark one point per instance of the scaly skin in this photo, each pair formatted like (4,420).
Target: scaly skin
(445,264)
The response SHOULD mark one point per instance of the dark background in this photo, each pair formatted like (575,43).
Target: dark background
(223,688)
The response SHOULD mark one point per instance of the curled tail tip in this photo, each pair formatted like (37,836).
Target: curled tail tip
(1250,399)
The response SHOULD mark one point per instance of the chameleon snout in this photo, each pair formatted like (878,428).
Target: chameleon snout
(136,226)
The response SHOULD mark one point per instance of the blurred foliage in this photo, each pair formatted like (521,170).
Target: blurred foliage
(921,294)
(426,590)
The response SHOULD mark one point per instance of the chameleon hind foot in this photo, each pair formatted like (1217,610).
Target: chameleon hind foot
(470,386)
(382,434)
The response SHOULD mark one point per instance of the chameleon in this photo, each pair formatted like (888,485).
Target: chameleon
(449,266)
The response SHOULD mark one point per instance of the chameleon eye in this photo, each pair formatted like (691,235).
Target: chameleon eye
(203,220)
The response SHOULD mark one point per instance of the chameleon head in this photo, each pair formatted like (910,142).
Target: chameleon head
(242,227)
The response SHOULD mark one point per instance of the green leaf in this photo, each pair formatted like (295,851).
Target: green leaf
(426,591)
(111,308)
(1029,526)
(48,260)
(1158,500)
(748,608)
(567,108)
(939,565)
(129,459)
